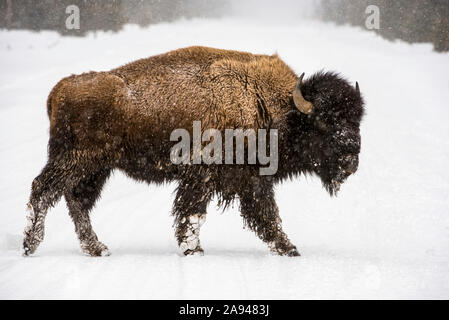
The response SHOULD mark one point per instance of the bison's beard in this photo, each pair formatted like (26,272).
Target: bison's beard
(333,185)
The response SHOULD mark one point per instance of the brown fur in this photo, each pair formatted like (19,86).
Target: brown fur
(149,98)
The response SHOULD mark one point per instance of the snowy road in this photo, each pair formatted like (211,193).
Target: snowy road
(385,236)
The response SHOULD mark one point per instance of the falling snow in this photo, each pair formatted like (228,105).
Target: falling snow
(385,236)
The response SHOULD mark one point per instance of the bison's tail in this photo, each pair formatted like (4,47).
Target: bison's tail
(49,105)
(51,101)
(61,136)
(51,98)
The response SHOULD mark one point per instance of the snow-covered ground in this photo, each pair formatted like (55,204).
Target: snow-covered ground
(385,236)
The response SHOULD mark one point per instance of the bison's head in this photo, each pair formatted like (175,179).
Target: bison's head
(333,110)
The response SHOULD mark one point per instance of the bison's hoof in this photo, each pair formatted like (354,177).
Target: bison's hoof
(293,253)
(196,252)
(28,248)
(95,249)
(27,251)
(289,251)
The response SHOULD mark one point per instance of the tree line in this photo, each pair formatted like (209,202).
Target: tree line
(410,20)
(104,15)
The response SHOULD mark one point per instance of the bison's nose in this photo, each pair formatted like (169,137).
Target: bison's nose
(352,163)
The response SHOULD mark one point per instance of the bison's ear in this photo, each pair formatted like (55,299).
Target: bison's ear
(301,104)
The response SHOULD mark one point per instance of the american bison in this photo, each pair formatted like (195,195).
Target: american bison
(123,119)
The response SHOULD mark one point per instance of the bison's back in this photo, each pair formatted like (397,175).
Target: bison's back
(222,88)
(179,87)
(149,98)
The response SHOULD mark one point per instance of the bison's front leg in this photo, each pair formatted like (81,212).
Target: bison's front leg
(261,214)
(189,209)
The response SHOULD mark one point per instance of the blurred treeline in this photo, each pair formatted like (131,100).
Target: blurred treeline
(106,15)
(409,20)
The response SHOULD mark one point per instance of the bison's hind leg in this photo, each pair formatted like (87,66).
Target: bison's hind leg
(80,200)
(46,190)
(80,180)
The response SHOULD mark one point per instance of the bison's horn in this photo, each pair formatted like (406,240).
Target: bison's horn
(357,87)
(302,104)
